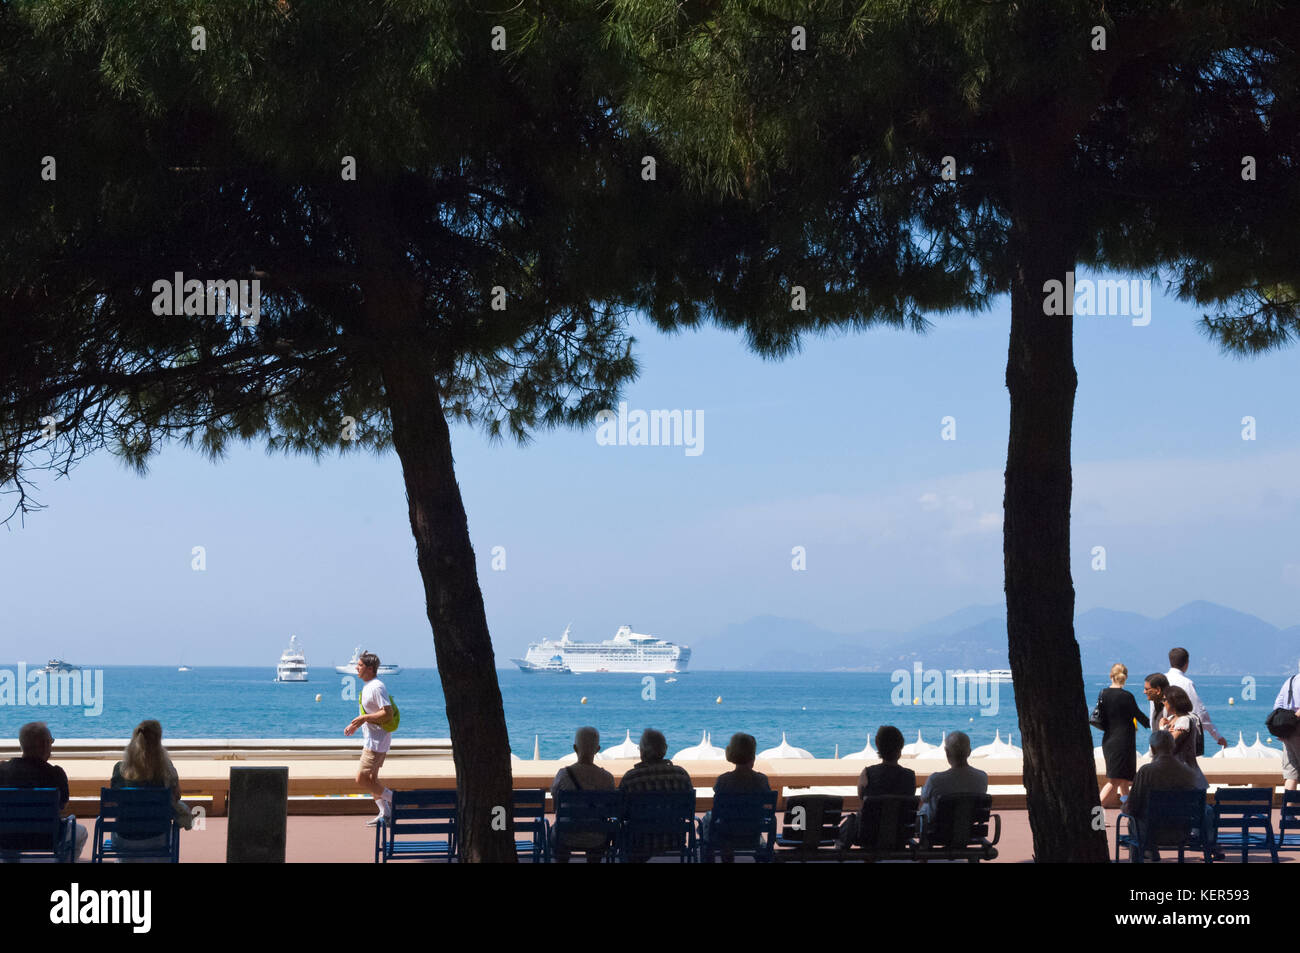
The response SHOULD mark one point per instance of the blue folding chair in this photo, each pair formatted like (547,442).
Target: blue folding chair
(136,814)
(887,826)
(587,813)
(1175,819)
(530,819)
(740,823)
(1238,812)
(30,825)
(1288,827)
(419,813)
(658,822)
(810,826)
(958,829)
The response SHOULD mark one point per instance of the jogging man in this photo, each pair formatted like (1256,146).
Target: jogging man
(377,709)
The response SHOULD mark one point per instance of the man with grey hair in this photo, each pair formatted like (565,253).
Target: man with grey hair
(1163,773)
(654,772)
(960,778)
(33,770)
(583,775)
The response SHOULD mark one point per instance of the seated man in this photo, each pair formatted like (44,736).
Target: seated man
(582,775)
(961,778)
(654,772)
(33,770)
(1164,773)
(741,751)
(885,778)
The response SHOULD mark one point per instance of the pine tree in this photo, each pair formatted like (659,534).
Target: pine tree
(433,219)
(911,158)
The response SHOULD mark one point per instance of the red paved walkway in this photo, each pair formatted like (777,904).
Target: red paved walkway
(346,839)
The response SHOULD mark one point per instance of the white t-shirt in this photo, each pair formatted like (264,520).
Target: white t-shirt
(374,696)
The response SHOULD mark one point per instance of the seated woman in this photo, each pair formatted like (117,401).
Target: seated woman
(145,763)
(885,778)
(743,779)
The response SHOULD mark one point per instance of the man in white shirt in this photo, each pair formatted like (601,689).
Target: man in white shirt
(961,778)
(375,710)
(1177,675)
(1289,697)
(583,775)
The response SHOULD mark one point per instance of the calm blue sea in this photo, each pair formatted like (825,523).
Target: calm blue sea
(816,711)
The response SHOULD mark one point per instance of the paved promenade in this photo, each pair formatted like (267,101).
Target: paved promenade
(346,840)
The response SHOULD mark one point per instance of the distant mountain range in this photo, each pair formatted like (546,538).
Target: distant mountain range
(1221,641)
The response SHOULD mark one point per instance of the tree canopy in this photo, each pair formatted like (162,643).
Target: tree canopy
(920,157)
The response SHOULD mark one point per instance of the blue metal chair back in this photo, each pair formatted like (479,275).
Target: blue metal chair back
(1175,819)
(30,823)
(1288,828)
(743,823)
(419,813)
(811,821)
(660,822)
(959,820)
(888,821)
(529,806)
(1238,812)
(142,813)
(589,812)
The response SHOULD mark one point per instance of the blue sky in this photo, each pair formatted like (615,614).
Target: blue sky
(837,449)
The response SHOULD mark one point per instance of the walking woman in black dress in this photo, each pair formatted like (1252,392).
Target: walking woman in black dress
(1119,741)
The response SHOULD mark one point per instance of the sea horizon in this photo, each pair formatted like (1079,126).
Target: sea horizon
(817,711)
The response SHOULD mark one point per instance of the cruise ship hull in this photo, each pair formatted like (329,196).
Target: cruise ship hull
(627,653)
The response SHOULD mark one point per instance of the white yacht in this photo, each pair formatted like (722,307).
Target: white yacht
(58,665)
(293,664)
(627,651)
(986,675)
(351,667)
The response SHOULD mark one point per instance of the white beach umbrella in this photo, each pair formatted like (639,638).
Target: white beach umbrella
(1261,750)
(999,748)
(537,748)
(628,749)
(991,750)
(515,757)
(785,750)
(1239,750)
(919,749)
(570,758)
(704,751)
(866,754)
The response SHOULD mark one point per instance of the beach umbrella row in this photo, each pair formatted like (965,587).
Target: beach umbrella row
(706,750)
(997,748)
(1243,750)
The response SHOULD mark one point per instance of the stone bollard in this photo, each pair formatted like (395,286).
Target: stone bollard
(257,815)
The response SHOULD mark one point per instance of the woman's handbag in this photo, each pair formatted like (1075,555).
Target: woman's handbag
(1282,722)
(1097,719)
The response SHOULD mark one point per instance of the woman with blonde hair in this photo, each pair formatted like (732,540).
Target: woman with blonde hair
(1119,710)
(146,764)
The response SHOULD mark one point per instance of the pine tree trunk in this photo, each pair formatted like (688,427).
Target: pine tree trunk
(466,663)
(480,745)
(1059,771)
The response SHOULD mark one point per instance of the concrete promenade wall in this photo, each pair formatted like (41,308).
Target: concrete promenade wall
(320,771)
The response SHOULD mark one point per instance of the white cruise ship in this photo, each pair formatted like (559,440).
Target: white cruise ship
(293,664)
(350,667)
(986,675)
(627,651)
